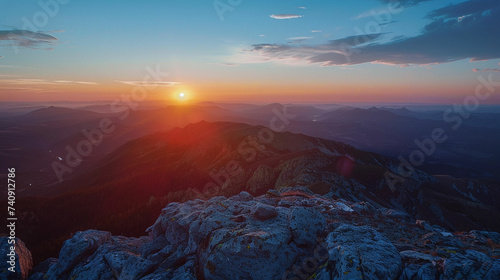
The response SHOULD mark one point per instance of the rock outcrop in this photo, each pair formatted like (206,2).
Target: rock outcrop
(292,234)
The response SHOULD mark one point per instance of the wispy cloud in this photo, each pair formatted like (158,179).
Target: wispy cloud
(26,82)
(404,3)
(285,16)
(300,38)
(295,40)
(21,89)
(34,85)
(486,70)
(471,38)
(369,13)
(149,83)
(307,54)
(467,8)
(27,39)
(316,31)
(42,82)
(387,22)
(75,82)
(302,7)
(227,64)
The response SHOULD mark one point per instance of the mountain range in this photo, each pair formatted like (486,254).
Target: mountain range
(176,154)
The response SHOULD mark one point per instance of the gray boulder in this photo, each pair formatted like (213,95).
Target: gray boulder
(264,212)
(242,196)
(258,254)
(409,272)
(471,265)
(306,224)
(185,272)
(395,214)
(82,245)
(360,252)
(96,255)
(42,268)
(410,254)
(426,272)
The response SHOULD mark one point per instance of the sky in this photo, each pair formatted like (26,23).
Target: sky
(413,51)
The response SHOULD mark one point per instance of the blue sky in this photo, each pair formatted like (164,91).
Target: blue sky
(366,50)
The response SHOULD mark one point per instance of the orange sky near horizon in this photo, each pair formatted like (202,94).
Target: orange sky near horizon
(251,92)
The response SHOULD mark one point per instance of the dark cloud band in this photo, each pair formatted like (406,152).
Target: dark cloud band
(26,38)
(456,32)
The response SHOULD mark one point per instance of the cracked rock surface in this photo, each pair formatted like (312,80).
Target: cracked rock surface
(292,234)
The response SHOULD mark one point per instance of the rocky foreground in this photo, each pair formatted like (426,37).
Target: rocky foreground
(292,234)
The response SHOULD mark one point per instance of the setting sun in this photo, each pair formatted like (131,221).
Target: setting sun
(181,96)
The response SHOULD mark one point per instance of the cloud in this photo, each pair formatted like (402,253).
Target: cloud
(387,23)
(27,82)
(316,31)
(27,39)
(465,8)
(355,40)
(149,83)
(300,38)
(75,82)
(227,64)
(32,85)
(486,70)
(369,13)
(42,82)
(303,8)
(285,16)
(21,89)
(444,39)
(391,6)
(295,40)
(306,54)
(404,3)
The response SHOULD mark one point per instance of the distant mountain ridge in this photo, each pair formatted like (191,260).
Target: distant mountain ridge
(125,191)
(37,139)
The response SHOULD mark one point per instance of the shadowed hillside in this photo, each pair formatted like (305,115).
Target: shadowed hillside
(124,192)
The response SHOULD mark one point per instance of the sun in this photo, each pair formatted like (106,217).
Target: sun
(182,96)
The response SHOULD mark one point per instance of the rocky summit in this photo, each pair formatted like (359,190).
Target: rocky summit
(288,234)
